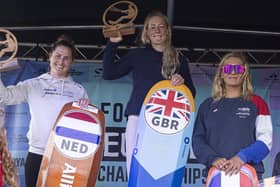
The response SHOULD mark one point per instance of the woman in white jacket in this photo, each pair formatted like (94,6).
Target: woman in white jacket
(45,95)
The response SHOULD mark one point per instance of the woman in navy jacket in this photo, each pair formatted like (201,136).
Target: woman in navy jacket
(154,62)
(233,127)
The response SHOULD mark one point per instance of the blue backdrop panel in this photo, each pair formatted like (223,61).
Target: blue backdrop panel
(111,97)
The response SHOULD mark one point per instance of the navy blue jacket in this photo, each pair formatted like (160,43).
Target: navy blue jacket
(233,127)
(145,66)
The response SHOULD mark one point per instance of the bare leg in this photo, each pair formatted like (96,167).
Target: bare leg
(130,136)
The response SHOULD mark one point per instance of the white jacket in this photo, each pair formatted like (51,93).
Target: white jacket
(46,96)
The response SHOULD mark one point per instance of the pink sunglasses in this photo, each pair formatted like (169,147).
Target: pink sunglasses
(238,68)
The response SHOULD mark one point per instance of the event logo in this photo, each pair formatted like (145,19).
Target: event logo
(77,135)
(8,50)
(168,111)
(272,77)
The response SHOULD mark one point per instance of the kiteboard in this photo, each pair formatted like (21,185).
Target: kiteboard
(163,137)
(247,177)
(74,150)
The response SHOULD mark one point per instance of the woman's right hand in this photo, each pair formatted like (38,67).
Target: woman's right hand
(220,163)
(116,39)
(83,102)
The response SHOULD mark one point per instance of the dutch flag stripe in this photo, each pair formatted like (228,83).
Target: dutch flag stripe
(78,124)
(76,134)
(81,116)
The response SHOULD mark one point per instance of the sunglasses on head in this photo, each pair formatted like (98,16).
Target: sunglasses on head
(238,68)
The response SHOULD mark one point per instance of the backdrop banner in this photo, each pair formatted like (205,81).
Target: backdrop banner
(111,97)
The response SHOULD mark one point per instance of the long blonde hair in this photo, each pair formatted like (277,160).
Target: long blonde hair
(10,174)
(219,85)
(170,61)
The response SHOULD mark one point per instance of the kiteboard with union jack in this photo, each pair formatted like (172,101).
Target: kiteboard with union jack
(163,137)
(74,150)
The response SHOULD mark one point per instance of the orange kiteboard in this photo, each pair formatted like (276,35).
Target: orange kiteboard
(74,151)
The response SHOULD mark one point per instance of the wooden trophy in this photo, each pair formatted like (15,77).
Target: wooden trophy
(125,12)
(8,51)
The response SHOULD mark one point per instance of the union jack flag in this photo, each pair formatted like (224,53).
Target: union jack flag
(169,103)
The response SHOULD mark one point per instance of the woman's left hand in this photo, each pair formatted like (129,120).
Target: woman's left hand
(177,80)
